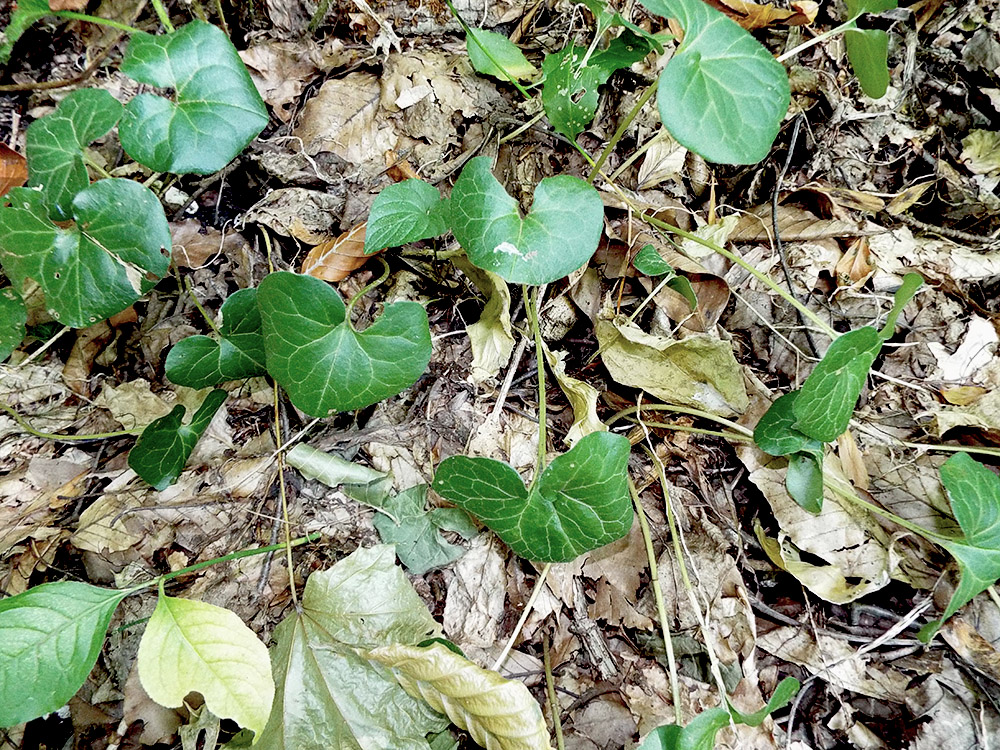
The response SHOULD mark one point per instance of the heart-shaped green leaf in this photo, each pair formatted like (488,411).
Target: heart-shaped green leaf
(722,95)
(117,248)
(54,143)
(826,402)
(50,638)
(166,444)
(558,236)
(493,54)
(217,111)
(651,263)
(405,212)
(25,13)
(579,503)
(868,49)
(322,362)
(13,317)
(201,361)
(775,433)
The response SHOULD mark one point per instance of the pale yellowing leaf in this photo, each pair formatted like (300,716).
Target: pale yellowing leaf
(193,646)
(582,398)
(500,714)
(492,336)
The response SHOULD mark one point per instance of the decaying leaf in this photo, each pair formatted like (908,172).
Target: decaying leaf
(492,336)
(756,16)
(582,397)
(336,259)
(13,169)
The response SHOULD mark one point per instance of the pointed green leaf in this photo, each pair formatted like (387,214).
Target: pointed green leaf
(826,401)
(405,522)
(857,7)
(117,248)
(483,45)
(559,235)
(26,13)
(580,502)
(54,146)
(13,318)
(322,362)
(217,110)
(202,362)
(651,263)
(405,212)
(50,638)
(607,17)
(804,480)
(194,646)
(166,444)
(722,95)
(868,51)
(775,433)
(911,283)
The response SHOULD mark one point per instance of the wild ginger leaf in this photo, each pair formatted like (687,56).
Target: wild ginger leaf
(50,638)
(13,318)
(405,212)
(775,433)
(499,713)
(804,480)
(868,49)
(190,645)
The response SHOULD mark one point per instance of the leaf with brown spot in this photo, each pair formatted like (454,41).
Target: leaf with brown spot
(13,169)
(336,259)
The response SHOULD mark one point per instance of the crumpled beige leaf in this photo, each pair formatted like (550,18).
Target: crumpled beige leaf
(491,337)
(500,714)
(306,215)
(336,259)
(582,398)
(699,371)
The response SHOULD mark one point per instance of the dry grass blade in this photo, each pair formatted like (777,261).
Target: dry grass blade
(336,259)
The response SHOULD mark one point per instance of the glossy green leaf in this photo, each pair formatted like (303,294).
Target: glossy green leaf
(579,503)
(570,91)
(499,713)
(405,212)
(203,361)
(25,13)
(50,638)
(826,401)
(559,235)
(330,696)
(13,317)
(804,480)
(491,54)
(700,733)
(166,444)
(911,283)
(405,521)
(54,146)
(195,646)
(775,433)
(217,110)
(722,94)
(322,362)
(94,268)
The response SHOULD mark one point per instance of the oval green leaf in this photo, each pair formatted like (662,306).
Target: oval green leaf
(50,638)
(579,503)
(202,362)
(194,646)
(117,248)
(167,443)
(775,433)
(558,236)
(722,95)
(217,111)
(491,54)
(54,146)
(405,212)
(322,362)
(13,318)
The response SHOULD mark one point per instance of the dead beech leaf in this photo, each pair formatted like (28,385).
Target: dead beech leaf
(13,169)
(852,460)
(754,16)
(964,395)
(336,259)
(855,266)
(794,224)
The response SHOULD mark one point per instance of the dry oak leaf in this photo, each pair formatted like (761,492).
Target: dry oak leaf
(336,259)
(13,169)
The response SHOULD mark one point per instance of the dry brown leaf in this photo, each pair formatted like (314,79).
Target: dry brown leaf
(88,344)
(754,16)
(77,5)
(855,266)
(13,169)
(907,197)
(195,245)
(337,259)
(794,224)
(399,169)
(852,460)
(964,395)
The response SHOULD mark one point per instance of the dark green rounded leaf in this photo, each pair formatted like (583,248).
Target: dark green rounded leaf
(50,638)
(580,502)
(974,492)
(405,212)
(650,262)
(868,51)
(201,361)
(166,444)
(115,251)
(325,365)
(54,143)
(217,111)
(13,317)
(722,95)
(775,432)
(558,236)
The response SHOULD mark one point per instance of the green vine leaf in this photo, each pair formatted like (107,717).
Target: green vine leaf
(405,212)
(499,713)
(54,146)
(217,111)
(117,248)
(166,444)
(13,319)
(50,638)
(190,645)
(826,401)
(722,94)
(559,235)
(868,49)
(238,353)
(482,45)
(25,14)
(579,503)
(322,362)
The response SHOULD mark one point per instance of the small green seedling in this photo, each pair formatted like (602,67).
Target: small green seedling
(868,49)
(493,54)
(649,262)
(405,212)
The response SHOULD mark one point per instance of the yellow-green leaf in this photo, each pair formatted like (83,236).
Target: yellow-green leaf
(193,646)
(500,714)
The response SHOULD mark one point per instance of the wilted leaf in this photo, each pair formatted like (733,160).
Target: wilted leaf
(492,336)
(13,169)
(582,398)
(336,259)
(488,50)
(500,714)
(755,16)
(329,469)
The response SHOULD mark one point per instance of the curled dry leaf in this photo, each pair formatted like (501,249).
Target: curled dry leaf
(500,714)
(13,169)
(755,16)
(336,259)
